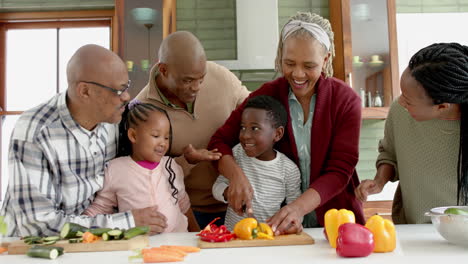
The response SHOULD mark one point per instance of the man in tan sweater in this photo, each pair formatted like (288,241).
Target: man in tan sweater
(198,96)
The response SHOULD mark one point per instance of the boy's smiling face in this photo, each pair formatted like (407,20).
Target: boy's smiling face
(257,135)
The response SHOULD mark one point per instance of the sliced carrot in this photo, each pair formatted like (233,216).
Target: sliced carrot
(3,249)
(153,257)
(188,249)
(88,237)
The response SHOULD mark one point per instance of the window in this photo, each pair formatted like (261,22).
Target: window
(34,70)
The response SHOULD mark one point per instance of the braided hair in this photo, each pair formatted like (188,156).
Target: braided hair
(442,70)
(135,113)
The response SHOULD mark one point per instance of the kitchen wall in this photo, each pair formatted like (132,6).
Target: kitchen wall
(431,6)
(49,5)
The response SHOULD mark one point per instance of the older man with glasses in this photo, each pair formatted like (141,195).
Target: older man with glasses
(58,151)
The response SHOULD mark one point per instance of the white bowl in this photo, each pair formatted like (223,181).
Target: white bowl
(454,228)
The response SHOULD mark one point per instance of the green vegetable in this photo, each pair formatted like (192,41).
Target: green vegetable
(51,242)
(106,237)
(116,234)
(136,231)
(69,230)
(51,238)
(33,240)
(456,211)
(75,240)
(99,231)
(45,252)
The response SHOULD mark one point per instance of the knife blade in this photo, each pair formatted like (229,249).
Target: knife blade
(250,214)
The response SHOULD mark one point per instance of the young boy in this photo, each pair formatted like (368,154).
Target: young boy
(273,176)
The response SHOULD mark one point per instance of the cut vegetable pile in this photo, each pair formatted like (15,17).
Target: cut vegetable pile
(214,233)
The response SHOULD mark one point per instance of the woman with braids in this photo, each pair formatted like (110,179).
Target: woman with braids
(425,145)
(321,136)
(143,176)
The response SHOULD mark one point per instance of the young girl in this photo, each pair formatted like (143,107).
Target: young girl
(142,176)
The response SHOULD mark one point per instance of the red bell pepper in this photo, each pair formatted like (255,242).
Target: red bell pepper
(354,240)
(213,233)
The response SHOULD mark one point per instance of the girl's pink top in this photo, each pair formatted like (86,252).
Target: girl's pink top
(129,186)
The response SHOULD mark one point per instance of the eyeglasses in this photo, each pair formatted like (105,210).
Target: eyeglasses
(116,91)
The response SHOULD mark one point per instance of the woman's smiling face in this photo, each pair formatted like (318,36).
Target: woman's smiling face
(302,63)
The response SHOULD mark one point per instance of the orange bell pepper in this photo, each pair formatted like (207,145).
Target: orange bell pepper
(333,219)
(384,233)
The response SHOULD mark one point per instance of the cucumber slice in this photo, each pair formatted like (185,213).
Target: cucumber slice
(106,237)
(51,238)
(75,240)
(69,230)
(51,242)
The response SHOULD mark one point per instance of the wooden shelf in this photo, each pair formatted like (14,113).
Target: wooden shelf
(375,112)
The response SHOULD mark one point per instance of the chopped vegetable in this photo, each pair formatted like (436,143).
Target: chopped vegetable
(333,219)
(88,237)
(99,231)
(154,257)
(188,249)
(354,240)
(69,230)
(44,252)
(136,231)
(249,228)
(173,251)
(456,211)
(213,233)
(116,234)
(75,240)
(3,249)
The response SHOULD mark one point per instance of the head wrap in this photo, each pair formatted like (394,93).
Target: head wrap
(315,30)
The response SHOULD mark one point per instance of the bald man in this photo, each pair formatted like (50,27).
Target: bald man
(58,151)
(199,96)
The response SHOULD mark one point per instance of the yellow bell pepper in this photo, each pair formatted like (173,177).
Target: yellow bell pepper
(246,228)
(333,219)
(249,228)
(384,233)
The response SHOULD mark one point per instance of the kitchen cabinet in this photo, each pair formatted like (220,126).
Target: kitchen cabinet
(366,51)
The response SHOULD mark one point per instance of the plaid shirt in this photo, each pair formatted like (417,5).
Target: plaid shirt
(56,167)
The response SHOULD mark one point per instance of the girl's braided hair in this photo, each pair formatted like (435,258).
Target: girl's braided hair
(135,113)
(442,70)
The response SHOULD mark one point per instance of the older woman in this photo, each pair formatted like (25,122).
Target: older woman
(322,134)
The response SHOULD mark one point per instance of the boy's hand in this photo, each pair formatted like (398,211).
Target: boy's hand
(193,155)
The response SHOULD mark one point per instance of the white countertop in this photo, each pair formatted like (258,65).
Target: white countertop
(416,243)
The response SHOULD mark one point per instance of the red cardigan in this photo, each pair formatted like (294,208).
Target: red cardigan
(334,141)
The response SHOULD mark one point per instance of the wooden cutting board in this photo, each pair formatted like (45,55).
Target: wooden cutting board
(284,240)
(19,247)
